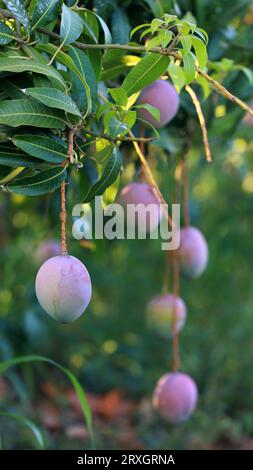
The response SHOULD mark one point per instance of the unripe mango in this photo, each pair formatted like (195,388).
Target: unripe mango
(175,397)
(162,95)
(193,252)
(160,311)
(63,288)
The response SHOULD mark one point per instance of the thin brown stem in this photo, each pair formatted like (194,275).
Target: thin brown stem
(70,154)
(63,220)
(120,139)
(202,121)
(151,180)
(166,282)
(175,332)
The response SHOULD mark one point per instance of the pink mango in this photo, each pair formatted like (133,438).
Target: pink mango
(160,312)
(142,193)
(162,95)
(193,252)
(63,288)
(175,397)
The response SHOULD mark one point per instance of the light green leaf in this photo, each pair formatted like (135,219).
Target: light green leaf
(6,175)
(155,24)
(4,366)
(42,183)
(137,28)
(26,65)
(54,98)
(28,423)
(130,119)
(177,75)
(110,173)
(42,147)
(152,43)
(116,128)
(200,51)
(189,67)
(6,34)
(19,12)
(165,37)
(186,42)
(45,12)
(205,85)
(71,25)
(145,72)
(119,95)
(13,157)
(16,113)
(151,109)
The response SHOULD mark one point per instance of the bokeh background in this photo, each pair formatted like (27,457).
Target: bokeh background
(110,349)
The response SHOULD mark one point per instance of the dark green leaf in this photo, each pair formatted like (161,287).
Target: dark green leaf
(45,12)
(120,27)
(71,25)
(16,7)
(42,183)
(16,113)
(26,65)
(42,147)
(83,65)
(13,157)
(54,98)
(145,72)
(6,34)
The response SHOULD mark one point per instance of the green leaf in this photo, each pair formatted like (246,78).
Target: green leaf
(186,42)
(152,43)
(28,423)
(119,95)
(145,72)
(109,175)
(6,175)
(26,65)
(130,119)
(71,25)
(116,127)
(200,51)
(19,12)
(106,31)
(205,85)
(69,62)
(45,12)
(13,157)
(42,147)
(137,28)
(189,67)
(165,37)
(42,183)
(16,113)
(120,27)
(177,75)
(4,366)
(156,23)
(6,34)
(86,72)
(54,98)
(151,109)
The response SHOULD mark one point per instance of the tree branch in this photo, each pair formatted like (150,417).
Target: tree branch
(202,121)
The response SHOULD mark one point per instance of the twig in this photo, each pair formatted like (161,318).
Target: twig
(150,178)
(175,332)
(202,121)
(121,139)
(70,154)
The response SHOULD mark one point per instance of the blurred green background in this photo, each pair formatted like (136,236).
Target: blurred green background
(117,359)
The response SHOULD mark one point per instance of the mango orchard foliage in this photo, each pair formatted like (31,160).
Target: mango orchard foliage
(52,85)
